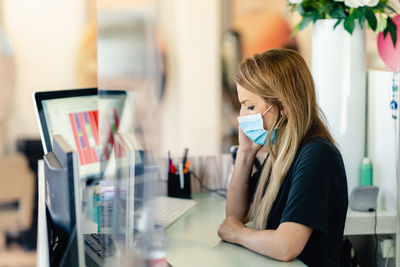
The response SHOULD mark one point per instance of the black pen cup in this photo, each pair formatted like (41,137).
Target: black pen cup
(175,186)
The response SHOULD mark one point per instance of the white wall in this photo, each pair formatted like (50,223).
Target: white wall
(192,106)
(381,137)
(45,35)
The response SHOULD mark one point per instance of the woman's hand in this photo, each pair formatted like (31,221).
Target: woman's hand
(246,144)
(237,202)
(230,229)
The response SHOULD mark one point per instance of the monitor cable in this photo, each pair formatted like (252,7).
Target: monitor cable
(375,235)
(376,240)
(219,191)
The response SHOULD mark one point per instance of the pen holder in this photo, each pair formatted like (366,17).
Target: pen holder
(175,189)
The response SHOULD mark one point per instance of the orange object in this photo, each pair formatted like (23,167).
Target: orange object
(186,169)
(262,30)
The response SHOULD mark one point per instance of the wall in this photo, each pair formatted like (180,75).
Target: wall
(381,139)
(45,35)
(192,105)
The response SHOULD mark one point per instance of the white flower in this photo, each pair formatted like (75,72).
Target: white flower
(353,3)
(370,2)
(295,1)
(358,3)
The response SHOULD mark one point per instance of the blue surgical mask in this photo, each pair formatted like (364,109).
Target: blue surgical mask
(252,126)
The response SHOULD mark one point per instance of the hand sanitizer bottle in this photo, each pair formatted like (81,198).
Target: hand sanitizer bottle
(366,172)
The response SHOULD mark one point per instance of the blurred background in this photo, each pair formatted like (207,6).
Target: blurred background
(52,45)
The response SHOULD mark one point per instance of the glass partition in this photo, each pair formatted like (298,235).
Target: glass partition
(129,74)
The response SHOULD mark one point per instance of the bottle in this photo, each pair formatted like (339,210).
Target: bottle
(366,172)
(150,243)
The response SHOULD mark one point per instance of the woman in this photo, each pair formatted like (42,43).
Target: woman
(298,201)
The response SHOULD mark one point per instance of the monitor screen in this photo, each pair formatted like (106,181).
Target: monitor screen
(75,114)
(76,118)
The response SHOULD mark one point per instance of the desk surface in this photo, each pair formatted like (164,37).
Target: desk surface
(362,223)
(193,239)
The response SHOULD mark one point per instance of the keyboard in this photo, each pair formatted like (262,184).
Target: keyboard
(167,210)
(97,246)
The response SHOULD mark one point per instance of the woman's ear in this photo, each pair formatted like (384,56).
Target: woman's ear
(281,108)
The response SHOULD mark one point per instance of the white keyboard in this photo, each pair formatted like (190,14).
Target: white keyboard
(166,210)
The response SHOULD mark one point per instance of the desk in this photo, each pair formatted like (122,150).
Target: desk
(193,239)
(362,223)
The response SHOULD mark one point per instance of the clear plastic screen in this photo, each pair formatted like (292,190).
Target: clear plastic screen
(117,206)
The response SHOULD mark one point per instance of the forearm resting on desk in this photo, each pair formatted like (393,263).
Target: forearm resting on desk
(284,243)
(236,200)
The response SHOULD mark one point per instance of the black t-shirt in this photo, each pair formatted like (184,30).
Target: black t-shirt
(314,193)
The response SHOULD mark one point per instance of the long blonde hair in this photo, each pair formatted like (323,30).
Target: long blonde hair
(282,78)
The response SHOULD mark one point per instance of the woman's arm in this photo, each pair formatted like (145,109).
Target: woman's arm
(285,243)
(237,199)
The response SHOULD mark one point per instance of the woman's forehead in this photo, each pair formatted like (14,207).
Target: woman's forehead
(246,95)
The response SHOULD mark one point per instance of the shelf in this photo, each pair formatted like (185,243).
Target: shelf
(362,223)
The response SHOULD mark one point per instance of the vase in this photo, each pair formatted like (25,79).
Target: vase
(339,71)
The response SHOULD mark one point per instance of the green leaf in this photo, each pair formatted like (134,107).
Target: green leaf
(390,8)
(349,24)
(385,32)
(337,13)
(361,17)
(381,25)
(380,7)
(301,10)
(308,6)
(295,30)
(361,21)
(304,22)
(315,16)
(337,23)
(369,14)
(392,27)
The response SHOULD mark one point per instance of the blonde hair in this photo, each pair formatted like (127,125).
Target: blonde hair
(282,78)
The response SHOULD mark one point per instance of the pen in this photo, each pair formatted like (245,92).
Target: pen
(171,166)
(169,161)
(181,178)
(173,169)
(186,169)
(185,157)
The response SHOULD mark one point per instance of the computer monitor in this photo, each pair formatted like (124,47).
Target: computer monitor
(75,115)
(63,205)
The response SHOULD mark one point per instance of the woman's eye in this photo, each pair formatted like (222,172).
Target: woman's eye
(250,108)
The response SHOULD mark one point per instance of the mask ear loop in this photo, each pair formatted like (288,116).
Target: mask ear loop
(276,127)
(265,112)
